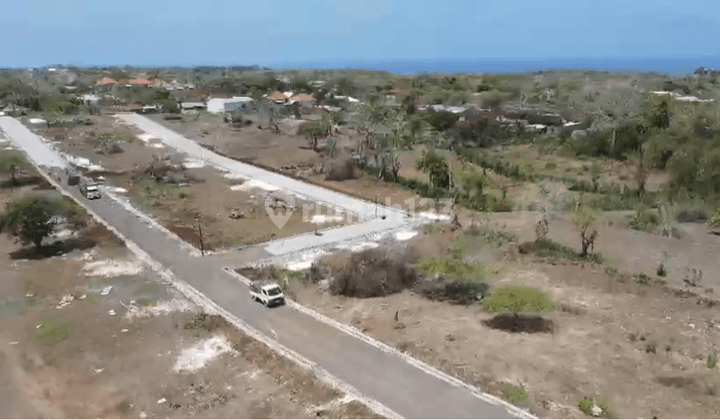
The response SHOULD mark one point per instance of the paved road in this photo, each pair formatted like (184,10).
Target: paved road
(384,377)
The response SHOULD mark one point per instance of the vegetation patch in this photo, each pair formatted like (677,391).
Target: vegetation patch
(372,273)
(517,299)
(517,395)
(553,251)
(116,137)
(594,407)
(52,330)
(645,221)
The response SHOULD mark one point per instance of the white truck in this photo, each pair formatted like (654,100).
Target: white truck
(270,294)
(91,190)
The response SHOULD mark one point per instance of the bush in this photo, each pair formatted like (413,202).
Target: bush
(547,248)
(586,405)
(373,273)
(517,395)
(712,360)
(517,299)
(449,267)
(115,137)
(340,169)
(644,220)
(457,292)
(714,221)
(642,278)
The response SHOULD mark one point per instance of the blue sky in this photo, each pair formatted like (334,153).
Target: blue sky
(269,32)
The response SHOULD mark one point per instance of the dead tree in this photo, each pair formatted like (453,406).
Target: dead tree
(588,241)
(542,228)
(693,277)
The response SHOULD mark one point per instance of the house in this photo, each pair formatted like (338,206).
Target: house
(303,99)
(106,81)
(187,106)
(277,97)
(89,99)
(141,82)
(222,105)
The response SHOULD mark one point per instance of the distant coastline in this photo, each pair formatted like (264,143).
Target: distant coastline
(668,65)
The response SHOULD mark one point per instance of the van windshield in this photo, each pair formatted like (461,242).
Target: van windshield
(274,291)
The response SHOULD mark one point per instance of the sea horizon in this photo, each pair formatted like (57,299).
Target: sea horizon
(667,65)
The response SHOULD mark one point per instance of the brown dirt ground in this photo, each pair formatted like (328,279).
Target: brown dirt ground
(211,196)
(280,151)
(641,347)
(113,367)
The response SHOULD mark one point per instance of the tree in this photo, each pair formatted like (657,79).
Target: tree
(13,162)
(34,218)
(714,221)
(442,120)
(391,162)
(436,167)
(583,219)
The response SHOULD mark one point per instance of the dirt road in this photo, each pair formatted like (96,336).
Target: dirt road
(384,377)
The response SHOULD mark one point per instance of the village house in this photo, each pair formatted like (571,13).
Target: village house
(222,105)
(140,82)
(303,99)
(277,97)
(192,106)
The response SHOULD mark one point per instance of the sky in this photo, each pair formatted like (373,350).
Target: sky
(275,33)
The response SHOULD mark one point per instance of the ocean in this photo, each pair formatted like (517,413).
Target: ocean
(667,65)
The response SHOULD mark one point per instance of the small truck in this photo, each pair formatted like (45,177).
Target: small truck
(269,294)
(90,190)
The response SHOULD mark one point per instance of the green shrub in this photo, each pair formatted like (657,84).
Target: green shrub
(450,267)
(712,360)
(551,250)
(642,278)
(115,137)
(645,221)
(714,221)
(517,299)
(586,405)
(517,395)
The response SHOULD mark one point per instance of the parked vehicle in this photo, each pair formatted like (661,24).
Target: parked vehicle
(270,294)
(73,174)
(90,190)
(73,178)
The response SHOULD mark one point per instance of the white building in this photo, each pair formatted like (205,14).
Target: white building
(221,105)
(89,99)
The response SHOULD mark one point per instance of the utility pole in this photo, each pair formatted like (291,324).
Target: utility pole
(202,243)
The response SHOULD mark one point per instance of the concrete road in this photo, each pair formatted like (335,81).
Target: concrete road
(387,378)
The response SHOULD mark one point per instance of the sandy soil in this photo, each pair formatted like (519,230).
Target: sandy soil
(643,348)
(207,193)
(69,351)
